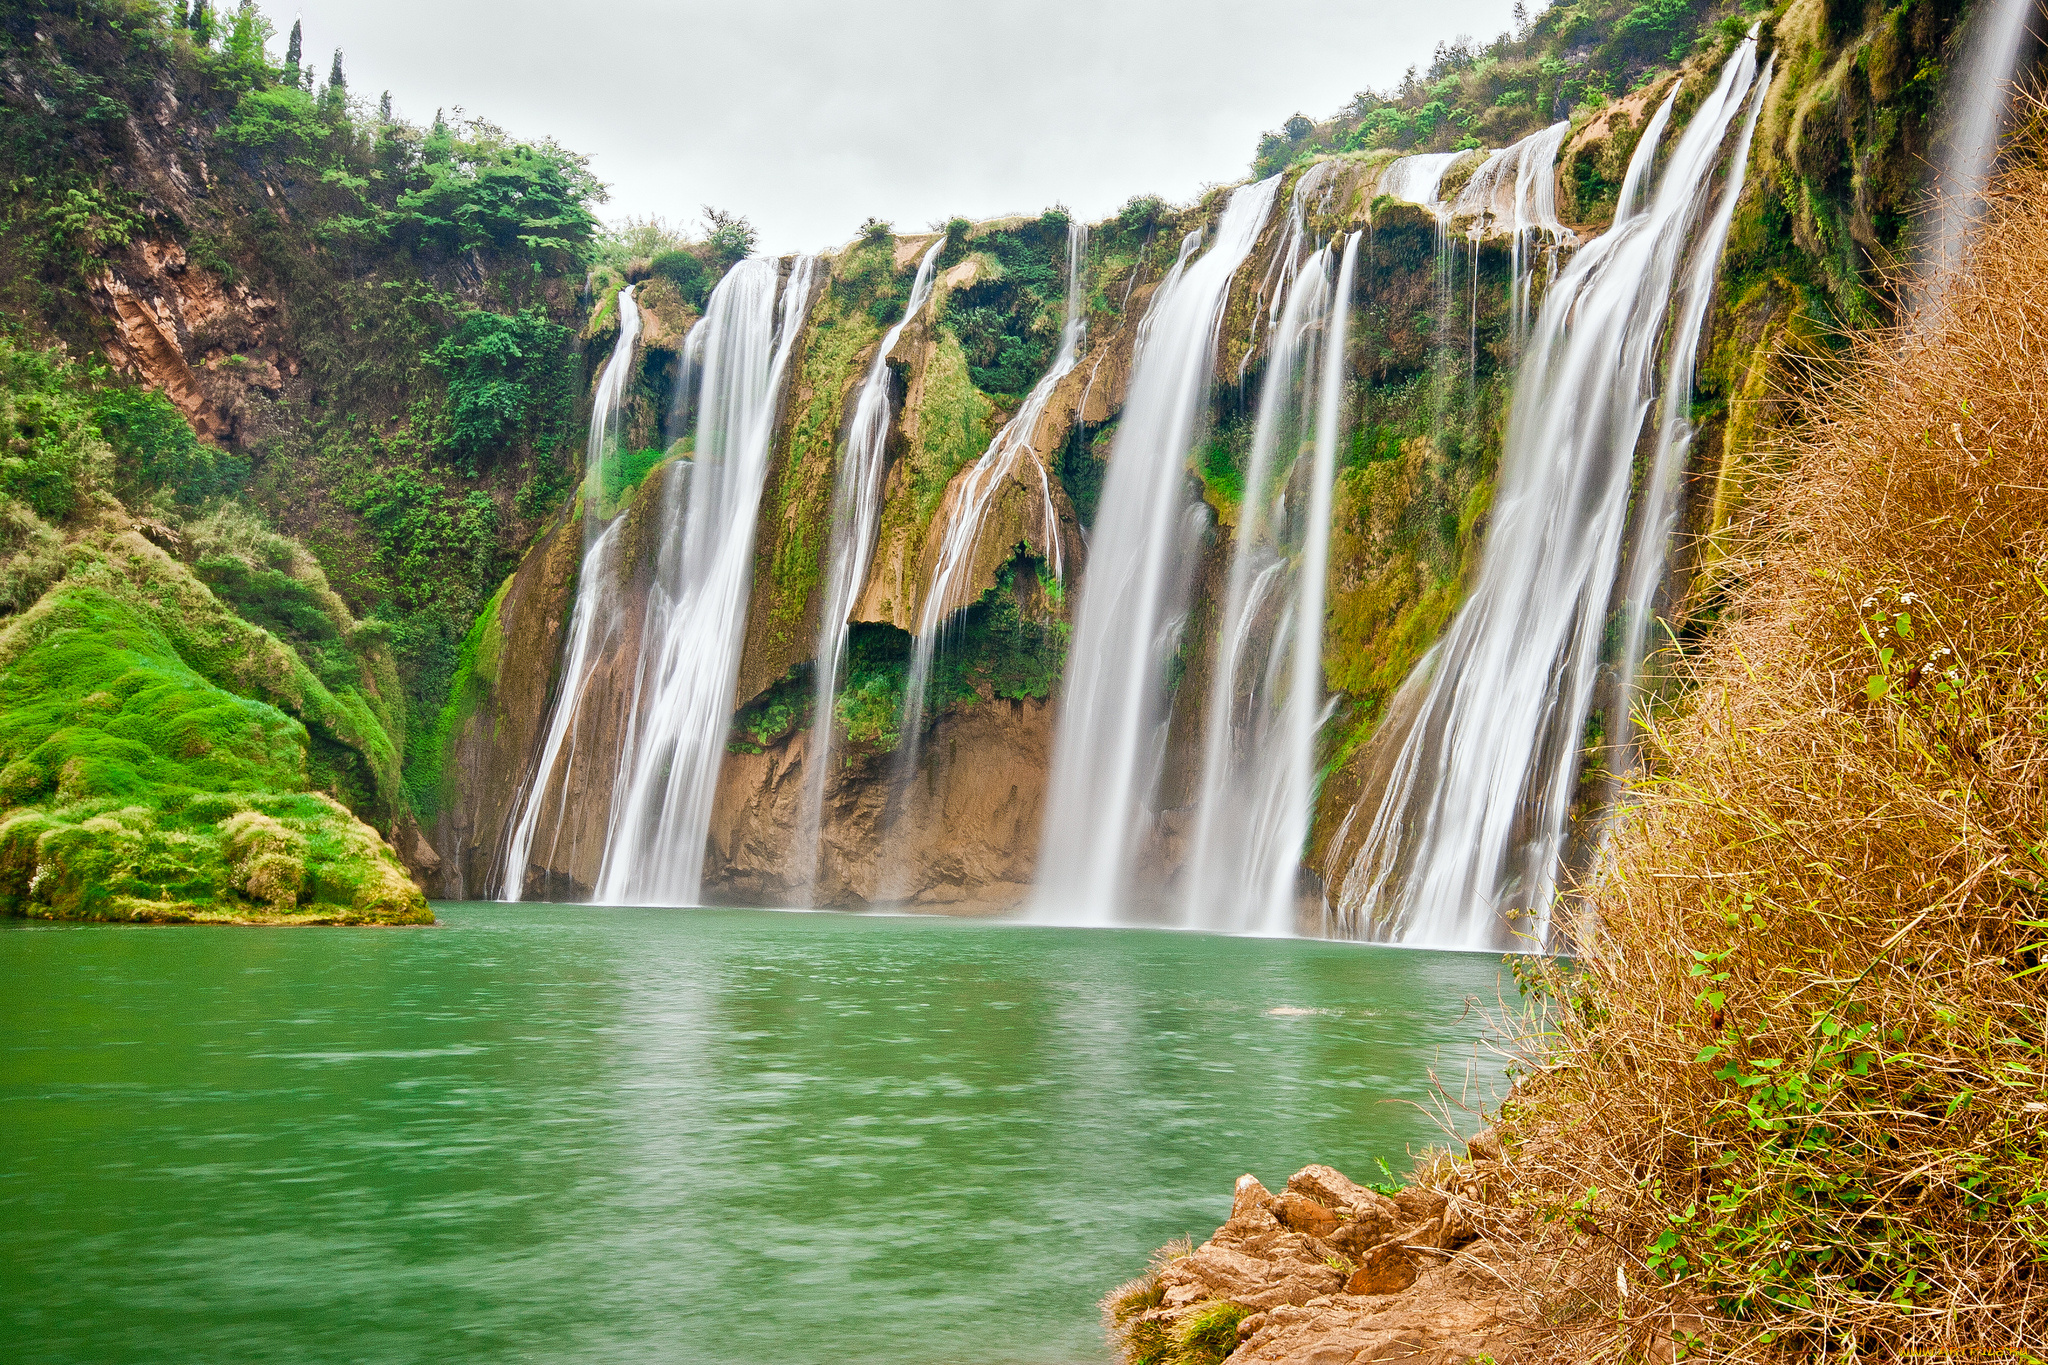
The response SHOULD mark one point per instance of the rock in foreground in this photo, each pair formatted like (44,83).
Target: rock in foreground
(1327,1272)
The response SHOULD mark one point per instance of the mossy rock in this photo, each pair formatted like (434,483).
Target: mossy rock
(132,788)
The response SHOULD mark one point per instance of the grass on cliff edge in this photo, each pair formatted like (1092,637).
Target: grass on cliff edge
(1795,1104)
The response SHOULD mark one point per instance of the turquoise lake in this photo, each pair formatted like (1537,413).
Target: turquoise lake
(559,1133)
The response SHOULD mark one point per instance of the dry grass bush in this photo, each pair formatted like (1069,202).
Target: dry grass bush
(1794,1100)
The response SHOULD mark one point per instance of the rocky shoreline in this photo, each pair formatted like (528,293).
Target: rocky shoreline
(1329,1272)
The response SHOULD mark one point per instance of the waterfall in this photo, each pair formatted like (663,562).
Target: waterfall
(1317,183)
(1112,709)
(1515,190)
(682,697)
(1470,827)
(1417,179)
(1997,32)
(968,507)
(1659,496)
(856,517)
(593,625)
(1266,703)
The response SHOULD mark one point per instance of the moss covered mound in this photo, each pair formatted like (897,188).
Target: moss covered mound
(135,789)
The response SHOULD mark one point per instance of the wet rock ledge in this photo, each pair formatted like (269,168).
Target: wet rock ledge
(1326,1272)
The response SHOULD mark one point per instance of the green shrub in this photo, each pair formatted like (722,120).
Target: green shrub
(687,271)
(488,191)
(155,448)
(501,369)
(281,121)
(1211,1334)
(784,708)
(31,557)
(51,452)
(624,472)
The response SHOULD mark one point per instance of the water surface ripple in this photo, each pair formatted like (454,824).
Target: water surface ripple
(564,1133)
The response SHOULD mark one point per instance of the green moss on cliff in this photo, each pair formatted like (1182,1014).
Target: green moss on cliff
(126,772)
(386,353)
(799,502)
(953,422)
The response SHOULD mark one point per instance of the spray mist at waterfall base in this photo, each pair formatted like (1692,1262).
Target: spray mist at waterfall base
(1796,1081)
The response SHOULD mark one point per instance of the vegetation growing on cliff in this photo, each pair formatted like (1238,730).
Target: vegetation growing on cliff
(1570,57)
(142,718)
(378,339)
(1011,645)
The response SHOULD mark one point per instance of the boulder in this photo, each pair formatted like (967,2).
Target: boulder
(1248,1196)
(1221,1272)
(1299,1213)
(1385,1269)
(1329,1187)
(1361,1235)
(1419,1205)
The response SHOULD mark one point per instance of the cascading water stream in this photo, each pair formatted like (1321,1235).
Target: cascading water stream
(1313,189)
(1267,702)
(856,517)
(1659,497)
(1105,753)
(593,624)
(1516,189)
(973,499)
(1470,826)
(1997,33)
(1418,180)
(682,699)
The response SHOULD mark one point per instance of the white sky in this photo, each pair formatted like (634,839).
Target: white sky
(808,116)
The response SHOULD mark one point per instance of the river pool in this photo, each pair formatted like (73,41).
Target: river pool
(557,1133)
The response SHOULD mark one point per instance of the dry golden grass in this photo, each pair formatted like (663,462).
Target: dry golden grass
(1795,1099)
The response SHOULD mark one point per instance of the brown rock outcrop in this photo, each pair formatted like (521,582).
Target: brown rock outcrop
(1361,1293)
(962,836)
(517,656)
(177,327)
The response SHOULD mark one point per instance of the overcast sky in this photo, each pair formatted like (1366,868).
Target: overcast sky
(808,115)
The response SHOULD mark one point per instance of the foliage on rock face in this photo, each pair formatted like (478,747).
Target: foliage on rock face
(421,278)
(145,700)
(953,428)
(1008,321)
(502,371)
(1572,56)
(1798,1083)
(52,455)
(1842,153)
(798,502)
(1009,646)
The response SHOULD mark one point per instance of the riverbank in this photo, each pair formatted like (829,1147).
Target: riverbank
(1329,1270)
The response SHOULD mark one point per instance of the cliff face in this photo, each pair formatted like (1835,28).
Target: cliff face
(1429,380)
(329,333)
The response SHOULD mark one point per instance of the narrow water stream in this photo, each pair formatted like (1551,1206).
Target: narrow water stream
(564,1133)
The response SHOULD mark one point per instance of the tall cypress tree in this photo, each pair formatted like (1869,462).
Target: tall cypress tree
(334,98)
(291,53)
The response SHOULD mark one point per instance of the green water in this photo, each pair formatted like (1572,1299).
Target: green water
(546,1133)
